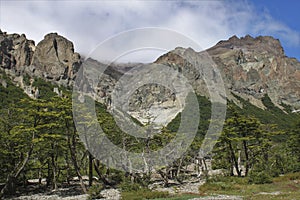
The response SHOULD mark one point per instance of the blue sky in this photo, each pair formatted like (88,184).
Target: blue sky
(286,12)
(88,23)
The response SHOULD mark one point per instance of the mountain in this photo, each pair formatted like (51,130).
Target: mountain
(53,58)
(251,68)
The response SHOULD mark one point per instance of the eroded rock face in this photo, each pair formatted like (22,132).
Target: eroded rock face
(250,67)
(55,58)
(16,51)
(148,102)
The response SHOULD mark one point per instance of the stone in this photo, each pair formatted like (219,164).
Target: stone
(250,68)
(54,56)
(16,51)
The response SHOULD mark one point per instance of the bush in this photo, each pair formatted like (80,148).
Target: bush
(94,191)
(219,183)
(144,194)
(260,177)
(127,186)
(288,177)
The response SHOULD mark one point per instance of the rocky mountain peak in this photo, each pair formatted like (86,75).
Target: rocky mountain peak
(55,57)
(250,67)
(260,45)
(16,51)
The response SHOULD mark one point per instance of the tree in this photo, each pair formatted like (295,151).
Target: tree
(24,135)
(244,141)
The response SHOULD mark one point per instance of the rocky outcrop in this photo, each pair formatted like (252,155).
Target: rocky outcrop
(250,67)
(16,51)
(147,103)
(55,58)
(258,66)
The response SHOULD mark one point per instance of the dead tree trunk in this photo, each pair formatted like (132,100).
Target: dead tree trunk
(103,179)
(90,169)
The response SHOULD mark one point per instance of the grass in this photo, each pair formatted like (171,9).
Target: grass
(180,197)
(284,187)
(143,194)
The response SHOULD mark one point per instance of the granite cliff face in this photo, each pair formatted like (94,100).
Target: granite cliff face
(53,58)
(15,51)
(250,68)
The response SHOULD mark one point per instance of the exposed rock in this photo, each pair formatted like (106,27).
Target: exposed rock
(55,58)
(51,197)
(3,83)
(250,67)
(111,194)
(16,51)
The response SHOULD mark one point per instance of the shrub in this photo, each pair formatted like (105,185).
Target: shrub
(127,186)
(260,177)
(144,194)
(94,191)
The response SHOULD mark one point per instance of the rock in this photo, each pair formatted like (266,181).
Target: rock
(51,197)
(55,59)
(16,51)
(250,68)
(111,194)
(4,83)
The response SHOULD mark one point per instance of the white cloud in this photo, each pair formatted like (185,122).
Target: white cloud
(87,23)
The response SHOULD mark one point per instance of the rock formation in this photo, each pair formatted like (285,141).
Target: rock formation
(16,51)
(53,58)
(250,67)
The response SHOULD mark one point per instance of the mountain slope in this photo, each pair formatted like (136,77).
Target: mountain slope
(251,68)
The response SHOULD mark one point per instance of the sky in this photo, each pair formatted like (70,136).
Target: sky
(88,23)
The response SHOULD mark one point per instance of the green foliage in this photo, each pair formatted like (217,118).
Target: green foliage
(46,124)
(222,183)
(94,191)
(143,194)
(245,139)
(205,115)
(272,115)
(127,186)
(260,177)
(294,142)
(287,177)
(11,94)
(285,187)
(45,88)
(26,79)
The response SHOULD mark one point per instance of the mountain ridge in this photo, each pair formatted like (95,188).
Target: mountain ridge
(251,68)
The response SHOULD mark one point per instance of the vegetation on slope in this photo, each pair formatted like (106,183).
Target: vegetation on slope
(38,140)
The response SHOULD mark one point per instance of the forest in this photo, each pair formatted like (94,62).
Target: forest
(39,141)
